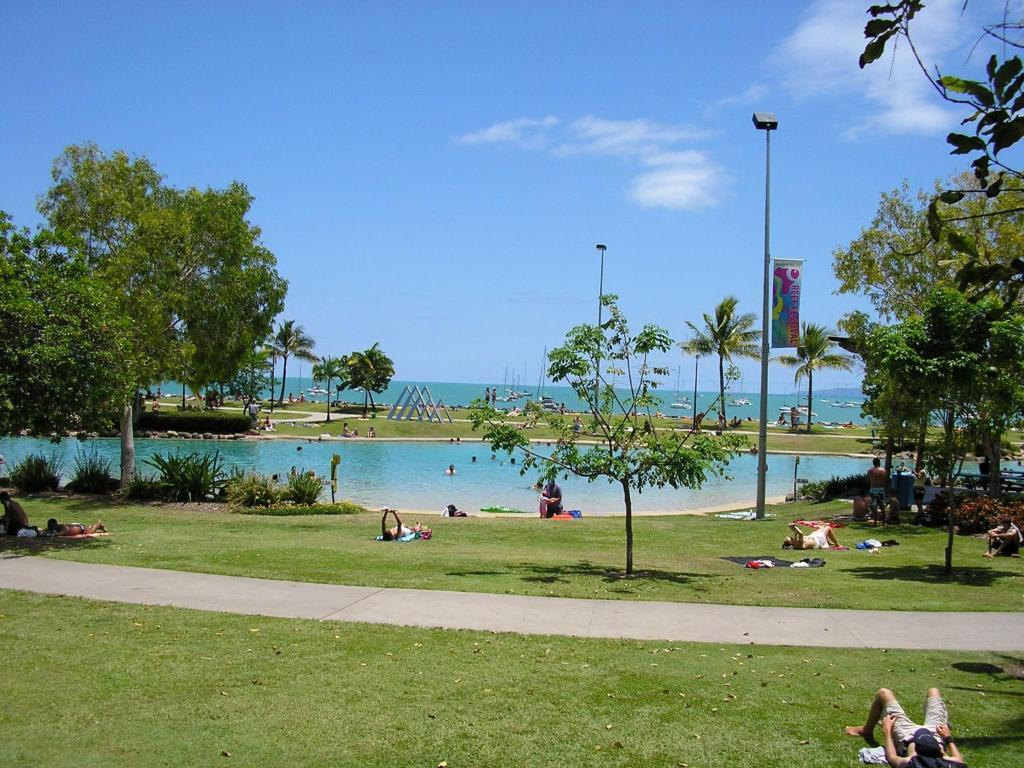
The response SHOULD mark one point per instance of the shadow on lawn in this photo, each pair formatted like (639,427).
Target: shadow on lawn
(556,574)
(932,574)
(12,546)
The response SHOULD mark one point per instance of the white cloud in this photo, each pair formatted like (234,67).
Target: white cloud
(596,135)
(748,96)
(679,179)
(529,132)
(819,60)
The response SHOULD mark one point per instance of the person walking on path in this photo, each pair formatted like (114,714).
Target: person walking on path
(907,744)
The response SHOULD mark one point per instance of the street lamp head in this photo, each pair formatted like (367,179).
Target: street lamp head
(765,121)
(601,247)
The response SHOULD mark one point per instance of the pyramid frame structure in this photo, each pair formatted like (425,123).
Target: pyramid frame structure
(417,402)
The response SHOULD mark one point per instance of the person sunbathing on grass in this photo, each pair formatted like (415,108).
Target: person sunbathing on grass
(74,529)
(820,538)
(399,529)
(907,744)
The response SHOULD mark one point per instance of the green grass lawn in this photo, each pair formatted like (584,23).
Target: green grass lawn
(678,558)
(102,684)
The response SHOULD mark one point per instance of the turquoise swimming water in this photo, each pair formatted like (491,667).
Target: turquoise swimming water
(827,409)
(411,475)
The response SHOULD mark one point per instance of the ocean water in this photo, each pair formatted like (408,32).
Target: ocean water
(827,409)
(412,475)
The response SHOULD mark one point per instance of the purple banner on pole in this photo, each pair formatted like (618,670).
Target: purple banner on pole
(786,302)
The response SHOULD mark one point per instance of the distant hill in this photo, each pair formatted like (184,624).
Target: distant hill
(839,392)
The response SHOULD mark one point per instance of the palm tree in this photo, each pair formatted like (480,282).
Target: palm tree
(727,335)
(814,353)
(291,340)
(329,369)
(371,371)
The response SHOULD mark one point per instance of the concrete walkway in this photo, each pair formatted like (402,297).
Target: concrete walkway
(640,620)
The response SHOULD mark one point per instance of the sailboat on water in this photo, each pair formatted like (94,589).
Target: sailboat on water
(680,402)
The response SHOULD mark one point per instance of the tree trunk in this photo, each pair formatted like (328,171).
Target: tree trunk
(994,455)
(890,448)
(284,378)
(721,387)
(127,445)
(373,405)
(922,436)
(329,406)
(366,394)
(810,398)
(629,527)
(948,429)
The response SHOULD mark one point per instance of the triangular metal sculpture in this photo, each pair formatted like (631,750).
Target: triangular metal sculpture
(416,401)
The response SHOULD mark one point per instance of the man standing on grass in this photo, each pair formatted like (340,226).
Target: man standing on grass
(878,481)
(906,744)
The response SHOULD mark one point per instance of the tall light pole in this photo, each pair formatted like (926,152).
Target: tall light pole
(597,367)
(765,121)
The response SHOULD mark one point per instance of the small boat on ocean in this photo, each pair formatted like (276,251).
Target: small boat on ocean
(317,391)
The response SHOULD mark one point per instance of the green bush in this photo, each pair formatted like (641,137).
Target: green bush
(189,477)
(253,490)
(143,489)
(216,422)
(92,474)
(37,472)
(291,510)
(304,489)
(833,488)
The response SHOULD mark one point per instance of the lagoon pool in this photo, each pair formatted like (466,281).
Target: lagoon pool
(411,475)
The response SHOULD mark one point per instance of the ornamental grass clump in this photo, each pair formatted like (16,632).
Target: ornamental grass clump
(37,472)
(191,477)
(92,474)
(304,489)
(253,490)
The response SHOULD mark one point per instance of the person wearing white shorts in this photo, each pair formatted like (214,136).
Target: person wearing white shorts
(907,742)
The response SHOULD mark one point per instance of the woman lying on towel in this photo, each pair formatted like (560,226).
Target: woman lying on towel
(74,529)
(820,538)
(399,529)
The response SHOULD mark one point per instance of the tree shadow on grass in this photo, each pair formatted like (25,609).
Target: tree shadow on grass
(560,574)
(932,574)
(12,546)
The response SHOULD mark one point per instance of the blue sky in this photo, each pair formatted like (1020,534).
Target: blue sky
(434,176)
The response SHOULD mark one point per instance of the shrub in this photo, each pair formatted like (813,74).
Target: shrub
(143,489)
(189,477)
(293,510)
(833,488)
(37,472)
(92,474)
(981,513)
(216,422)
(253,490)
(304,489)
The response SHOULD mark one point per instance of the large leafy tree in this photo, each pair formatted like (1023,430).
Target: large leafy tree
(992,102)
(329,370)
(371,371)
(959,361)
(628,449)
(815,352)
(291,340)
(65,358)
(185,265)
(728,335)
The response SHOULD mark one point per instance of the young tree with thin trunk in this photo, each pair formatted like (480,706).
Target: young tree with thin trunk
(814,353)
(328,370)
(629,450)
